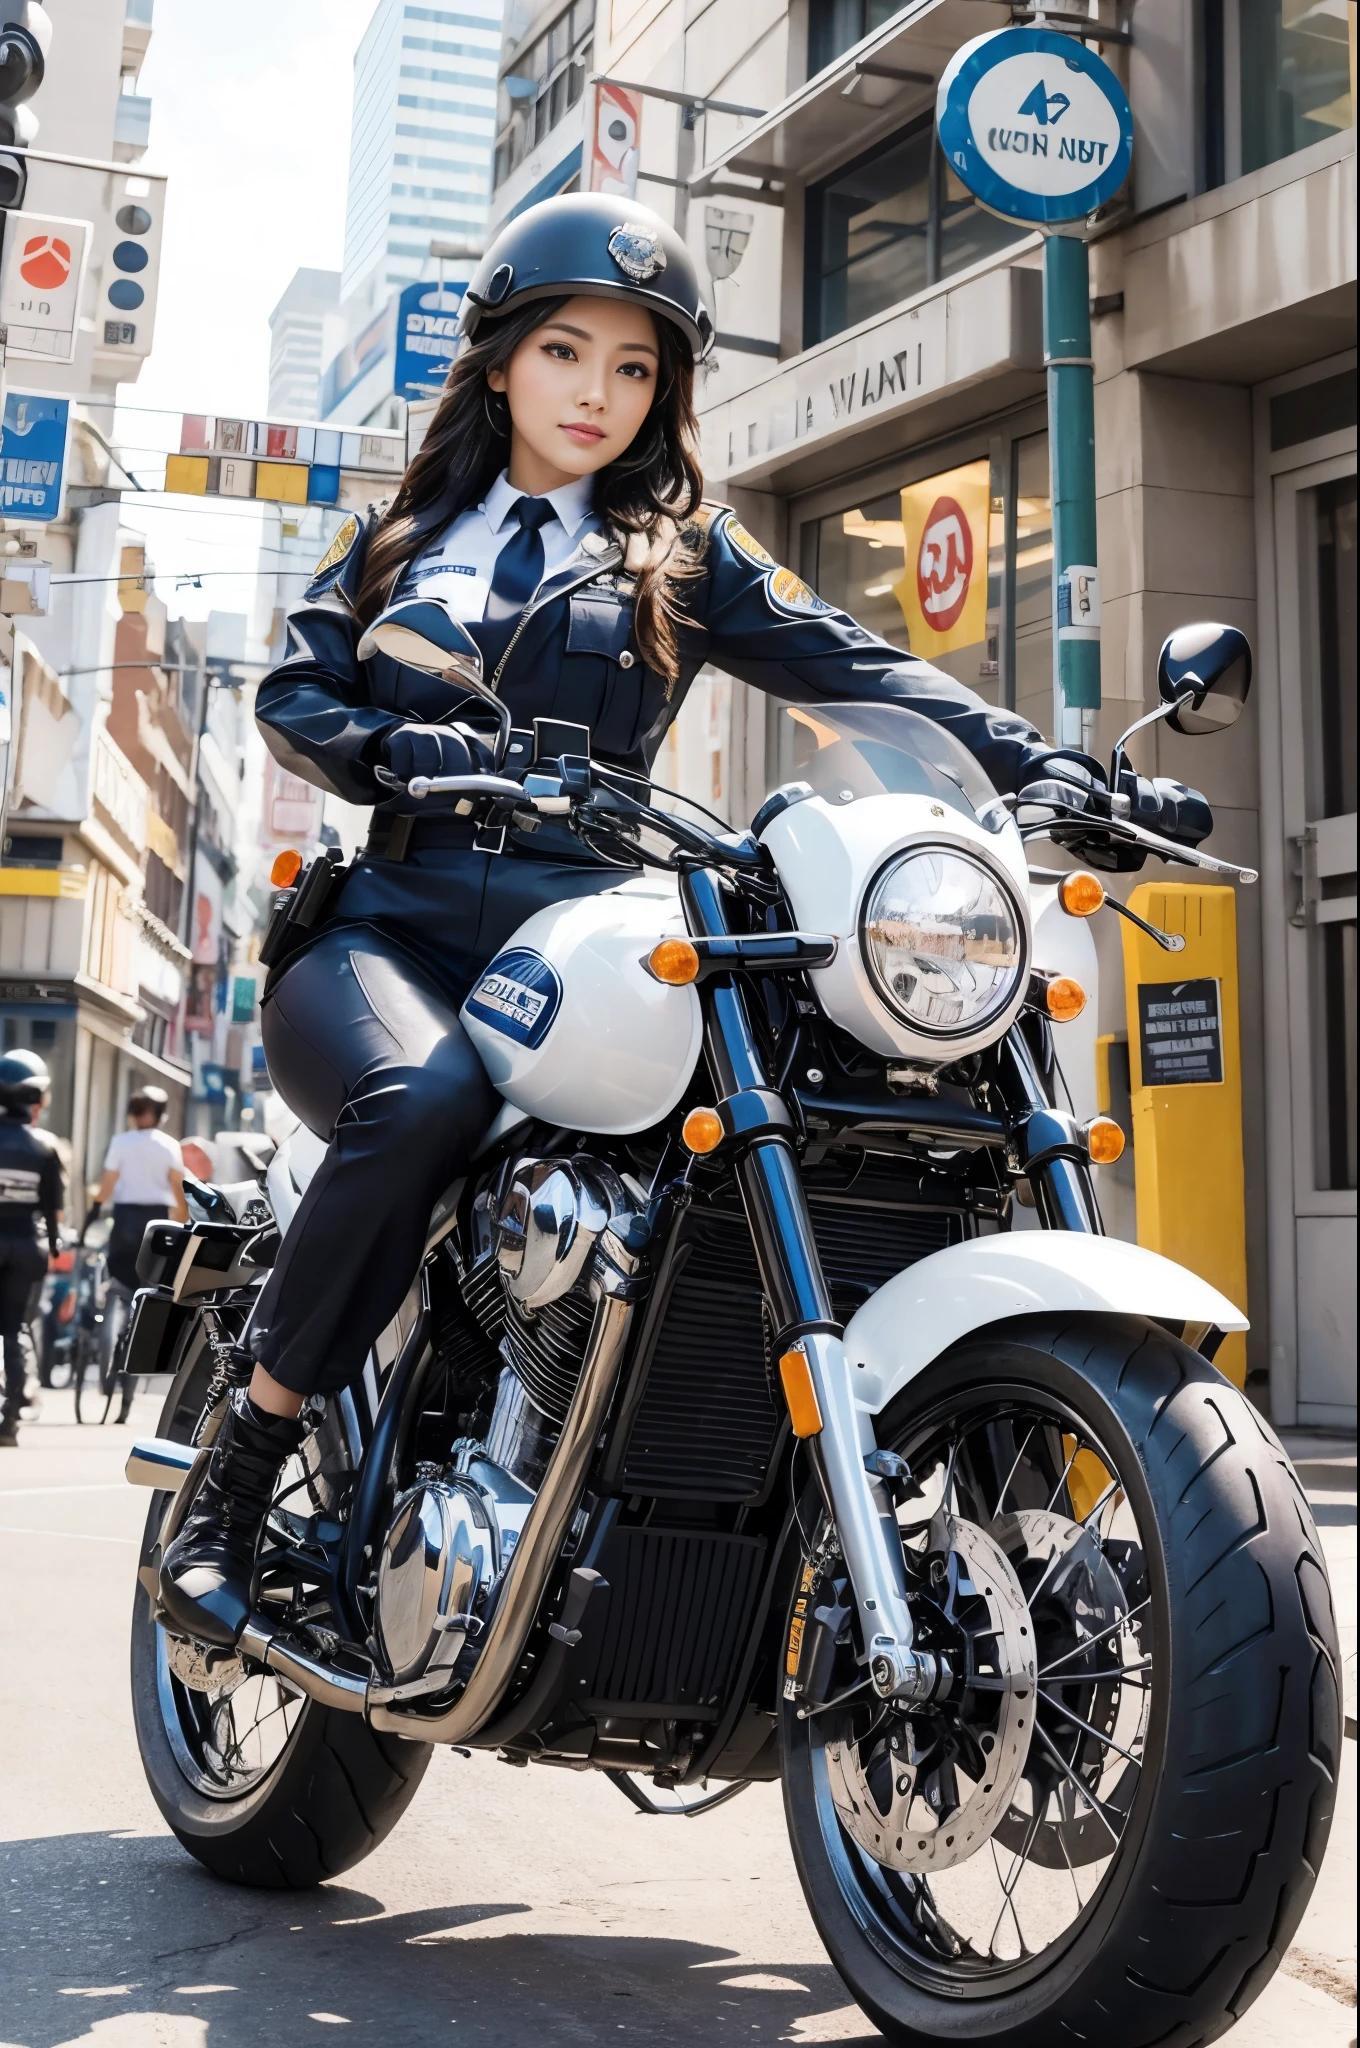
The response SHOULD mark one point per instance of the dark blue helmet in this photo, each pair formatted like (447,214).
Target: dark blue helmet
(24,1079)
(595,246)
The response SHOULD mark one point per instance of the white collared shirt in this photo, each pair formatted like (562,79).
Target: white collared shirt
(458,567)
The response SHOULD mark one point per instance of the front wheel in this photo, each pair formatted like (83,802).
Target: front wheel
(1110,1824)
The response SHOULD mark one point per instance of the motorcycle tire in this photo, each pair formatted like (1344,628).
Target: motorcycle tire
(1226,1832)
(334,1792)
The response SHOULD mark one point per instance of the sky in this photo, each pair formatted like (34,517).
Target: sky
(250,120)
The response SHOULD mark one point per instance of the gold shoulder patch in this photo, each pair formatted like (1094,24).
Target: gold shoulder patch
(746,544)
(344,540)
(791,597)
(705,513)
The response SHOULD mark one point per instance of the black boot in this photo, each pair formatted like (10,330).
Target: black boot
(207,1570)
(9,1424)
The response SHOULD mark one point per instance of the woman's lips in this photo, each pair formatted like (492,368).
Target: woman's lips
(587,436)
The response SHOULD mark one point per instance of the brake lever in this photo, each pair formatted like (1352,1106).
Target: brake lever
(1124,828)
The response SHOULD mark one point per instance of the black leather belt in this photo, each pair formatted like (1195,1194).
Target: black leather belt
(394,834)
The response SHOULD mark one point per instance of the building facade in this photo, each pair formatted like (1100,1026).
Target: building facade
(98,828)
(421,145)
(881,350)
(305,333)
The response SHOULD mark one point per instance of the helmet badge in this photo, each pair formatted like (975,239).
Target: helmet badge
(637,251)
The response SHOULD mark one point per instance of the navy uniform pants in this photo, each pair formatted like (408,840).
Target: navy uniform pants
(23,1262)
(364,1044)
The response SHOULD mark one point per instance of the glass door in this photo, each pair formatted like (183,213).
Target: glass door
(1315,552)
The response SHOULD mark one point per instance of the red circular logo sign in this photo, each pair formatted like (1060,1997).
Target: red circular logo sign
(46,262)
(944,564)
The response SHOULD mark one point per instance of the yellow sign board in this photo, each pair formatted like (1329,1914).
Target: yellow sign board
(943,586)
(1185,1074)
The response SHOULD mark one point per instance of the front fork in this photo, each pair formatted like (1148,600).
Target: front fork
(767,1174)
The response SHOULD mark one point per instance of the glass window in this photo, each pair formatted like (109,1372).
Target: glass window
(922,567)
(885,227)
(1295,69)
(867,234)
(967,231)
(837,25)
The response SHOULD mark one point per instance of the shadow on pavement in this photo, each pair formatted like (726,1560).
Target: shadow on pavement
(125,1940)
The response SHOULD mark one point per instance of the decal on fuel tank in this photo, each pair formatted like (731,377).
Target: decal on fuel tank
(519,995)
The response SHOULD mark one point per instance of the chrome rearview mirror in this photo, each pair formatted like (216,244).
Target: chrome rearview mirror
(1204,677)
(420,632)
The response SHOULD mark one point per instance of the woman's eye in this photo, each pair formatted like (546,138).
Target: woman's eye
(561,350)
(635,370)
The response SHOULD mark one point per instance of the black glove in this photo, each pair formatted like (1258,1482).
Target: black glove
(429,750)
(1158,805)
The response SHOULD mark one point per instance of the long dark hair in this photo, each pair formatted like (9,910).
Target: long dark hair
(649,491)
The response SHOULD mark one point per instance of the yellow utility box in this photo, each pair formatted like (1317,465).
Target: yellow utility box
(1185,1074)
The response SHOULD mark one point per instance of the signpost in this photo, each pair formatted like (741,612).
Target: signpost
(42,277)
(427,334)
(32,456)
(1039,130)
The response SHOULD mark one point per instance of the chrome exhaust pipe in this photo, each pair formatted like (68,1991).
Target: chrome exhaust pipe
(330,1688)
(540,1544)
(158,1462)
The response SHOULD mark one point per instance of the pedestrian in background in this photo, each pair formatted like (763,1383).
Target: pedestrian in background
(144,1179)
(32,1195)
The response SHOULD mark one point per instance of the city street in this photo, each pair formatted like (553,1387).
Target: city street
(514,1908)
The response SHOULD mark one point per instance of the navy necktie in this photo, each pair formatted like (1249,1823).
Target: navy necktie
(517,575)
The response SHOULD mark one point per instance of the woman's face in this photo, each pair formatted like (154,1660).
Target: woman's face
(579,388)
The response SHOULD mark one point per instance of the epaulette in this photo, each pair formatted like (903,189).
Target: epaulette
(341,568)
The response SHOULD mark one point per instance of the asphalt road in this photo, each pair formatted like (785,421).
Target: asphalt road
(511,1909)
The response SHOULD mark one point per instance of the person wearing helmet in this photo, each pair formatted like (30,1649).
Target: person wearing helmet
(556,507)
(32,1195)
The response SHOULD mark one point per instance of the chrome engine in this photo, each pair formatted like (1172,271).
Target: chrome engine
(455,1530)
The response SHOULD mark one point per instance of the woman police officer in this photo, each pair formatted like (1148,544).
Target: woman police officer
(556,506)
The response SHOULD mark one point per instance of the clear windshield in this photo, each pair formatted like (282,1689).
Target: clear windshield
(849,751)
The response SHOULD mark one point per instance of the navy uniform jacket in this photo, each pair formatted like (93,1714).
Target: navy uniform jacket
(324,715)
(32,1184)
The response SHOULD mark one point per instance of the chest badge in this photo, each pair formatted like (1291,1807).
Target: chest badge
(638,252)
(791,597)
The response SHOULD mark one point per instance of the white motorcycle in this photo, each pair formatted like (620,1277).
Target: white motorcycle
(734,1433)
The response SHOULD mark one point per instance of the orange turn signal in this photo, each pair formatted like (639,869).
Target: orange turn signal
(801,1395)
(674,961)
(1065,999)
(1080,894)
(286,869)
(702,1130)
(1104,1141)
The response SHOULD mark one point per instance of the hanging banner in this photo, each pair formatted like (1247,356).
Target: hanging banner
(615,138)
(943,587)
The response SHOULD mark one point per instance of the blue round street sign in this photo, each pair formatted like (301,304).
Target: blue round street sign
(1035,125)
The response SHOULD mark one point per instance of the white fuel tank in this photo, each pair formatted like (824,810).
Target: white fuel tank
(572,1028)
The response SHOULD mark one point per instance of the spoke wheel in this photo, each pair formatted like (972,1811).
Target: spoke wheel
(963,1825)
(1161,1837)
(263,1786)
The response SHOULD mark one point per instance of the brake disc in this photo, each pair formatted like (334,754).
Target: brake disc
(1078,1597)
(907,1794)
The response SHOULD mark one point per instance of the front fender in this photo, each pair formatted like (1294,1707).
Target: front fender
(918,1315)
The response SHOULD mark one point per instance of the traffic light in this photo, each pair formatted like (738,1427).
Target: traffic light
(25,34)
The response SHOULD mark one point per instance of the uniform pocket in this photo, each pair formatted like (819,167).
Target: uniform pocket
(604,673)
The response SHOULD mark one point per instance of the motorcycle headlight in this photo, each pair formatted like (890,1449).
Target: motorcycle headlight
(943,940)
